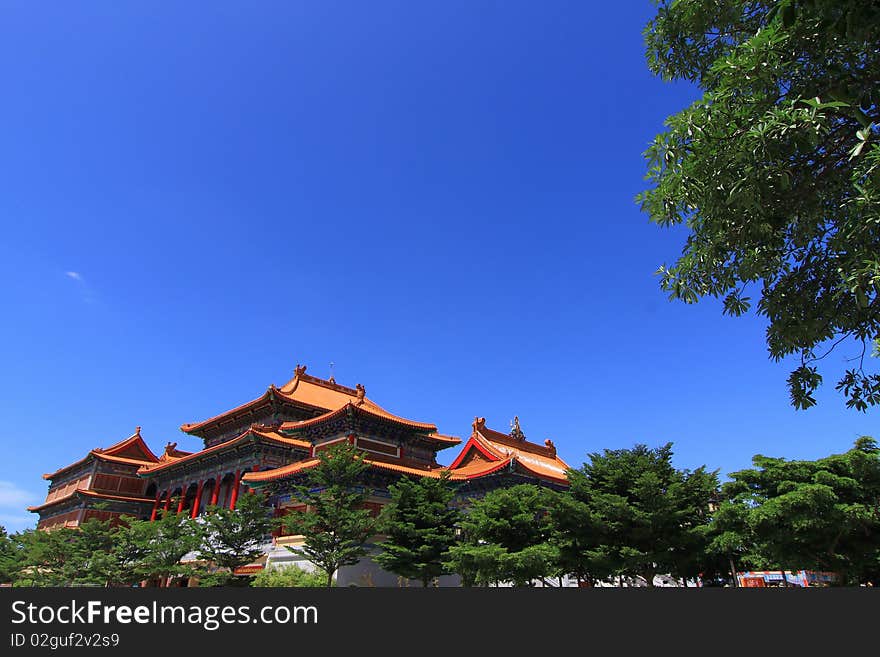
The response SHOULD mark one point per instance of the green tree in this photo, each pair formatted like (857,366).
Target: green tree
(507,538)
(91,559)
(162,543)
(652,515)
(235,537)
(11,556)
(46,557)
(132,542)
(420,525)
(775,172)
(288,576)
(818,515)
(579,533)
(334,523)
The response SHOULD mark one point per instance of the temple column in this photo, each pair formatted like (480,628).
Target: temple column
(216,492)
(236,483)
(168,499)
(155,506)
(198,500)
(182,498)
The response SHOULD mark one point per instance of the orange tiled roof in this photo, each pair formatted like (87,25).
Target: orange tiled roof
(171,457)
(395,465)
(489,446)
(131,451)
(311,391)
(360,406)
(88,493)
(472,470)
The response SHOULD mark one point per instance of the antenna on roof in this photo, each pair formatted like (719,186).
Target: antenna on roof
(331,379)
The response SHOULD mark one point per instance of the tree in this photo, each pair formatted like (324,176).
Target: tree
(818,515)
(651,514)
(91,559)
(235,537)
(775,172)
(46,557)
(132,543)
(579,532)
(334,523)
(288,576)
(420,525)
(506,538)
(162,543)
(10,556)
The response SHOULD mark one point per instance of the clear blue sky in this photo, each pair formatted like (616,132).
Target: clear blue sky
(436,196)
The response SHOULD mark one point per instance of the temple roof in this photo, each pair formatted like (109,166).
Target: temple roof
(173,456)
(486,448)
(131,451)
(486,452)
(88,493)
(375,461)
(362,408)
(311,392)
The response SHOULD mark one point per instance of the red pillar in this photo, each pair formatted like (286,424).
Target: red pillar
(198,500)
(216,492)
(155,506)
(182,498)
(168,499)
(236,483)
(225,502)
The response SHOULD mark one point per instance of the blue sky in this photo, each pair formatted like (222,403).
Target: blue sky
(438,197)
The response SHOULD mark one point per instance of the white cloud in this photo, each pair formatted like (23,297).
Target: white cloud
(13,497)
(13,501)
(88,295)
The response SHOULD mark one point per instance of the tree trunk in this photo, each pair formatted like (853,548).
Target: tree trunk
(329,578)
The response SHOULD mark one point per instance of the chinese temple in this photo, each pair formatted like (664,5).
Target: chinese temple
(270,443)
(103,485)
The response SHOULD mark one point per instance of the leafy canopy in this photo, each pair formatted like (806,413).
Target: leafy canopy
(507,538)
(820,515)
(648,516)
(334,523)
(235,537)
(775,171)
(420,528)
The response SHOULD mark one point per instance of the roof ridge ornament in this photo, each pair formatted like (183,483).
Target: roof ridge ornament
(169,448)
(479,423)
(515,430)
(137,431)
(299,370)
(549,445)
(361,393)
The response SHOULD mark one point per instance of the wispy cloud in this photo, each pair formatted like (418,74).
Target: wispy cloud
(85,289)
(13,497)
(13,501)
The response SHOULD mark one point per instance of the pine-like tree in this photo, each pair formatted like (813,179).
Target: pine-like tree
(420,525)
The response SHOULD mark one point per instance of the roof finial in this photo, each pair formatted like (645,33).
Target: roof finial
(169,448)
(479,423)
(137,431)
(515,430)
(361,392)
(549,445)
(331,379)
(299,370)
